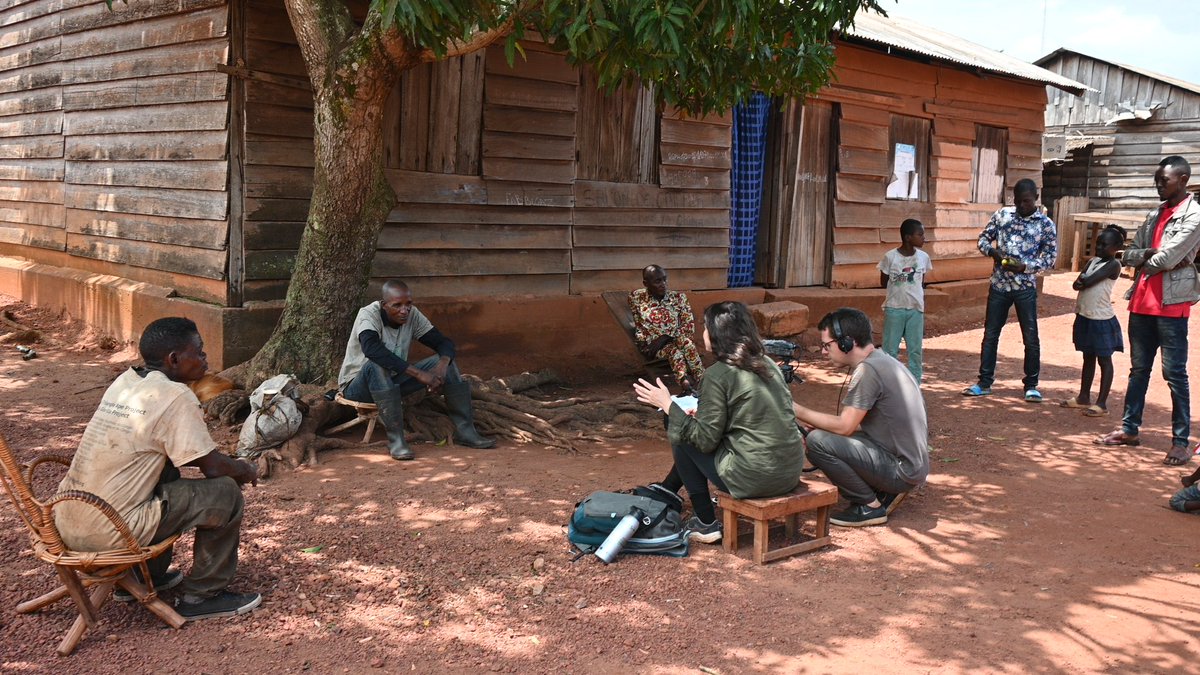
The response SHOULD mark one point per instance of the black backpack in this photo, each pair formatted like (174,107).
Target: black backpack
(660,532)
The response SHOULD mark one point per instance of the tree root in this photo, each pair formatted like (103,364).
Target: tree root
(500,410)
(226,406)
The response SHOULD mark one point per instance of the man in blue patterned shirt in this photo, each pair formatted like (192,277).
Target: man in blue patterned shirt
(1021,241)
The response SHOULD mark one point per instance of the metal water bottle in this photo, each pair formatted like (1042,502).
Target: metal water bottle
(620,535)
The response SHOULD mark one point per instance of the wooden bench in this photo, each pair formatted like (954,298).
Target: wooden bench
(808,496)
(364,412)
(618,305)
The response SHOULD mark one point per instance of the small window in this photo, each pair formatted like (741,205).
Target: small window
(989,160)
(617,133)
(908,158)
(436,117)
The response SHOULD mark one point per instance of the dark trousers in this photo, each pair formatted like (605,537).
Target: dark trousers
(856,465)
(213,507)
(373,378)
(998,304)
(1147,336)
(697,469)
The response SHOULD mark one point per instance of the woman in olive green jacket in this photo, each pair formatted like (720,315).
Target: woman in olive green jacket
(743,435)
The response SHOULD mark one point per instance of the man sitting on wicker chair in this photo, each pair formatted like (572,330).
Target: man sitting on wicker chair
(147,417)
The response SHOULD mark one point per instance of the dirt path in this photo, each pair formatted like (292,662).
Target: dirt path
(1028,550)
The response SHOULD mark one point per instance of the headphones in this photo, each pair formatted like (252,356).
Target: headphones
(844,342)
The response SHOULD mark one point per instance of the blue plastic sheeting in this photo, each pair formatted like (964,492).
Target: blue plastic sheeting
(750,120)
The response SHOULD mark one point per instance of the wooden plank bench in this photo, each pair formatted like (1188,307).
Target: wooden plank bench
(808,496)
(618,305)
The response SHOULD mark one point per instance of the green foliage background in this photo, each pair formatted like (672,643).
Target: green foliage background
(702,56)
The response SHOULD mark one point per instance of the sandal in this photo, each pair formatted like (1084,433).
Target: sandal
(1178,456)
(1095,411)
(1072,403)
(1117,437)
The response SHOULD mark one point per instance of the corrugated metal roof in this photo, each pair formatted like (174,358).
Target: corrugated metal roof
(908,35)
(1173,81)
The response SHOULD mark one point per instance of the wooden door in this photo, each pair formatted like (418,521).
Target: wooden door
(795,231)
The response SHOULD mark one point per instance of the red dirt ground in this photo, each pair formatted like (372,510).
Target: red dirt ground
(1029,549)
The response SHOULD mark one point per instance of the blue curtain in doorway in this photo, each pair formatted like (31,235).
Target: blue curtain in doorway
(750,121)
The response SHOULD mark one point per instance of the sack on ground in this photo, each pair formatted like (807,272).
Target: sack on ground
(274,416)
(660,533)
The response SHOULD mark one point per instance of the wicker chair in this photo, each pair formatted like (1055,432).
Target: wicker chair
(80,571)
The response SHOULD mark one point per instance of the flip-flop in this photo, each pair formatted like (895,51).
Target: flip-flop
(1178,456)
(1095,411)
(1072,403)
(1117,437)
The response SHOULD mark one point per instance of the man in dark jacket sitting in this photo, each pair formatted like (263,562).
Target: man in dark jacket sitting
(376,368)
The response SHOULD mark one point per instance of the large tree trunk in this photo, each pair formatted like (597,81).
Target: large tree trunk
(350,202)
(351,199)
(353,67)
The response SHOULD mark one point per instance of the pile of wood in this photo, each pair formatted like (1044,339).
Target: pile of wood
(515,408)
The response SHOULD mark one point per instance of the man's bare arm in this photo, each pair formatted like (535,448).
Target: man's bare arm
(216,464)
(842,424)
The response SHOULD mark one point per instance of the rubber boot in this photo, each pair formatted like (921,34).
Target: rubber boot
(391,413)
(458,404)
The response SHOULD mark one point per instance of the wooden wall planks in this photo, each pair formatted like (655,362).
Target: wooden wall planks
(1116,172)
(31,191)
(114,146)
(121,120)
(1115,89)
(876,90)
(529,200)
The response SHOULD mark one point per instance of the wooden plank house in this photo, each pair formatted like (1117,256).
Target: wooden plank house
(156,158)
(966,122)
(1116,133)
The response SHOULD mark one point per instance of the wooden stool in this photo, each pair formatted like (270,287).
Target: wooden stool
(818,496)
(364,412)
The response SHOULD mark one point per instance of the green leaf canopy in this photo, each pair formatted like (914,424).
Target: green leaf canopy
(701,56)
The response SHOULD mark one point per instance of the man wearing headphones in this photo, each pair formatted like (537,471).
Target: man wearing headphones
(876,448)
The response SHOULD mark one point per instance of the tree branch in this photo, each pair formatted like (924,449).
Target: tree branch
(319,25)
(398,49)
(380,36)
(476,42)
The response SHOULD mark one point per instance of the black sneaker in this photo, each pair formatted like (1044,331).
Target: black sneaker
(169,580)
(860,515)
(890,501)
(705,534)
(221,604)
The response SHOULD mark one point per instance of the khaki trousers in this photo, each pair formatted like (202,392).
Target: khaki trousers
(213,507)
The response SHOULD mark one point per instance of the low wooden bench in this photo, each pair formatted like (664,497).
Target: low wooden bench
(808,496)
(363,412)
